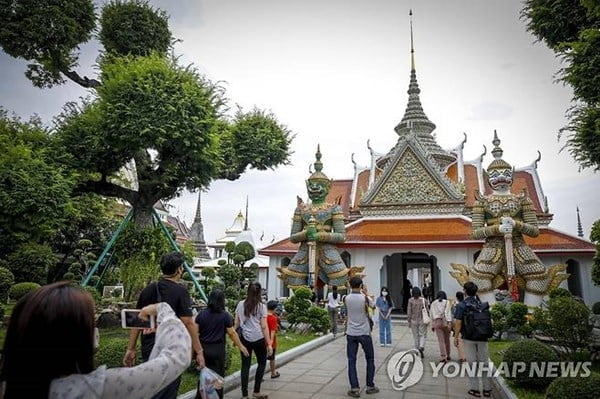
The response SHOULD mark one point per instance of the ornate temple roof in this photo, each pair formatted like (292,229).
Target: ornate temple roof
(429,232)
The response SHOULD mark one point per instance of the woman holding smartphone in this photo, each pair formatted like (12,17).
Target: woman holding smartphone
(251,316)
(50,344)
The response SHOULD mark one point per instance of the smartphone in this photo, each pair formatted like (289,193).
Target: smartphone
(130,319)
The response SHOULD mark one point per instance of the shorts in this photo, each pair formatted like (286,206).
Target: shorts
(272,357)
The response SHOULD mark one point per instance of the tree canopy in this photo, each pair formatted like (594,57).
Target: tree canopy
(572,29)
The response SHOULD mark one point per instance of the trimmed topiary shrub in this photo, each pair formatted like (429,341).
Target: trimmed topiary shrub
(319,319)
(7,280)
(499,312)
(560,292)
(596,308)
(529,351)
(568,323)
(574,387)
(111,352)
(19,290)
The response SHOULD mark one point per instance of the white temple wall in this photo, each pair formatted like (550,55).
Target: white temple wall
(582,271)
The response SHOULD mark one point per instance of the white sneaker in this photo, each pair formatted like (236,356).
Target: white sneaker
(382,345)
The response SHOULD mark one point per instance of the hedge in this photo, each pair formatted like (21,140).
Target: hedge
(19,290)
(529,351)
(574,387)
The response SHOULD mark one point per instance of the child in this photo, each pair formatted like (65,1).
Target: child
(272,323)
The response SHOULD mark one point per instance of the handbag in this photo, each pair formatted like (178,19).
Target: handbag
(425,314)
(368,314)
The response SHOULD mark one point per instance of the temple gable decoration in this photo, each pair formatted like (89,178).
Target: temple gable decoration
(412,183)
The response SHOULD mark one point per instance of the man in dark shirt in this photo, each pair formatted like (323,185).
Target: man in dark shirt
(166,289)
(476,352)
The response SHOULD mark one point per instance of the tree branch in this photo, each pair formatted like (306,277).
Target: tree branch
(107,189)
(82,81)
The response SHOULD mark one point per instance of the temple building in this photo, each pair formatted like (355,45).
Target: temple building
(237,232)
(407,214)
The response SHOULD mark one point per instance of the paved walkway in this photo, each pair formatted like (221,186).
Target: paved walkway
(322,373)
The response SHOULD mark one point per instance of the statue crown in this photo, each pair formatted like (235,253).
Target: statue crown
(498,162)
(318,175)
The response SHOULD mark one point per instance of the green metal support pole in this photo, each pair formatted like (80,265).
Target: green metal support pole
(108,246)
(176,248)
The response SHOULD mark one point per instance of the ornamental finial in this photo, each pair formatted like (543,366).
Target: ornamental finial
(579,227)
(498,162)
(412,47)
(318,165)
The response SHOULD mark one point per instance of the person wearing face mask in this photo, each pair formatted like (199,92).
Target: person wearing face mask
(384,306)
(166,289)
(50,344)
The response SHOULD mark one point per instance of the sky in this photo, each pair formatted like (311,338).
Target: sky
(336,72)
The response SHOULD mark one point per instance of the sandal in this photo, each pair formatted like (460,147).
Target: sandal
(487,394)
(260,396)
(276,375)
(474,392)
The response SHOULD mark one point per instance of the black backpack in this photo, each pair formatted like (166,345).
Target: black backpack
(477,321)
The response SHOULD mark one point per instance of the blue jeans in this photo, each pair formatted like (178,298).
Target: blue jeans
(385,331)
(351,350)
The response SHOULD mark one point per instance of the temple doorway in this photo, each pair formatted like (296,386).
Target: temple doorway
(408,269)
(574,281)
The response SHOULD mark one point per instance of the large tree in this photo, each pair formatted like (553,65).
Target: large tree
(572,29)
(168,124)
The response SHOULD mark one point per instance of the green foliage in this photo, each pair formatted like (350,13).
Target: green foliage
(254,139)
(69,276)
(208,273)
(111,351)
(499,312)
(596,308)
(297,307)
(230,247)
(221,262)
(568,323)
(94,293)
(596,269)
(19,290)
(34,190)
(574,387)
(560,292)
(138,253)
(571,29)
(529,351)
(31,262)
(47,32)
(7,279)
(319,319)
(516,315)
(245,250)
(539,320)
(94,280)
(134,28)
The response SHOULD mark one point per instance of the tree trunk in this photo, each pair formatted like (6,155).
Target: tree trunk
(142,218)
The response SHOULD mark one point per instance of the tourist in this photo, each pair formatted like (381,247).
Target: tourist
(50,344)
(442,317)
(384,306)
(406,293)
(166,289)
(461,350)
(476,351)
(333,302)
(416,305)
(358,331)
(273,324)
(213,324)
(251,318)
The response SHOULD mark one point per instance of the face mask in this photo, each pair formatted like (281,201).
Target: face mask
(384,293)
(96,339)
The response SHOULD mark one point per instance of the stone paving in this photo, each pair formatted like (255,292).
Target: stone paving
(322,373)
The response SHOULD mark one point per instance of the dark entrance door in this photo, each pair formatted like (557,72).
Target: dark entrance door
(400,269)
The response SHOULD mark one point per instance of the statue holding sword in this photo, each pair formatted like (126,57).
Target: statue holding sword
(318,226)
(502,219)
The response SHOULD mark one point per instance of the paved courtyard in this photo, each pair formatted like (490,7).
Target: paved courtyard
(322,373)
